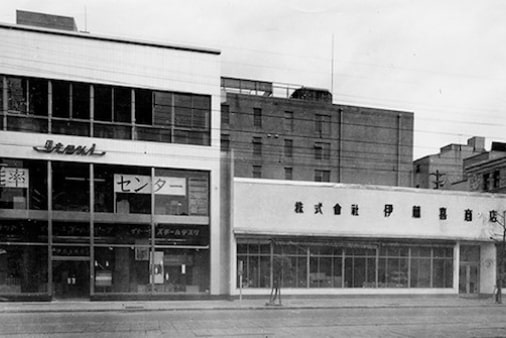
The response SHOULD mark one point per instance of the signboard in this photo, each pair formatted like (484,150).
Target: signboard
(140,184)
(70,149)
(14,177)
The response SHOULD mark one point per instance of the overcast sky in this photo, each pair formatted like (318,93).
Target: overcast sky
(445,61)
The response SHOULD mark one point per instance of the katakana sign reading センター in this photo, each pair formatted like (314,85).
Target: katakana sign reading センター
(140,184)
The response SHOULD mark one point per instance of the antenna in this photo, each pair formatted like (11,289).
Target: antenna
(332,70)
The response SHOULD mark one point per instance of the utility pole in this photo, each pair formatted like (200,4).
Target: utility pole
(438,183)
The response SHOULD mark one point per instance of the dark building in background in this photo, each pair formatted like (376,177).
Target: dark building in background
(486,172)
(296,133)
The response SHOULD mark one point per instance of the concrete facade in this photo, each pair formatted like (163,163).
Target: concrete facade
(362,145)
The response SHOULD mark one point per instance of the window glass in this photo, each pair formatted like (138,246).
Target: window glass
(225,114)
(23,269)
(116,233)
(179,192)
(163,109)
(122,104)
(71,191)
(122,269)
(25,184)
(143,106)
(17,94)
(80,101)
(32,231)
(103,103)
(61,98)
(122,189)
(38,96)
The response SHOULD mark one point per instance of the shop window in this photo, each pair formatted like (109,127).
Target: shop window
(181,271)
(122,269)
(71,191)
(122,189)
(71,232)
(23,184)
(116,233)
(359,268)
(256,263)
(28,231)
(179,192)
(23,269)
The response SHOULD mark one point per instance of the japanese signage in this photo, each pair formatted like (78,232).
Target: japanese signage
(182,234)
(71,251)
(14,177)
(69,149)
(139,184)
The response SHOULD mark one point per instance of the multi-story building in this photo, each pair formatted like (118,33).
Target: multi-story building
(296,133)
(110,157)
(486,172)
(446,169)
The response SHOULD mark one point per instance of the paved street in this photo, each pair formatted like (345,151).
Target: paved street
(277,322)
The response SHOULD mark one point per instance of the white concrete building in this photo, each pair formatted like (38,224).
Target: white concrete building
(322,238)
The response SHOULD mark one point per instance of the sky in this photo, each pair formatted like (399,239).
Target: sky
(443,60)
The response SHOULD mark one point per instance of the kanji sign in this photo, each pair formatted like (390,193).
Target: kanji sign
(14,177)
(140,184)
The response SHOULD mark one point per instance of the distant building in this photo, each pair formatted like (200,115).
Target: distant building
(486,172)
(443,170)
(296,133)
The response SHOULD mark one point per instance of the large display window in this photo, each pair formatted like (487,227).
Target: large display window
(344,265)
(71,187)
(23,269)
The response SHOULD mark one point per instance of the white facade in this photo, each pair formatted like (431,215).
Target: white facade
(267,209)
(80,57)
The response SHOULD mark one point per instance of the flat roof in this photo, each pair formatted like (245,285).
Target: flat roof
(85,35)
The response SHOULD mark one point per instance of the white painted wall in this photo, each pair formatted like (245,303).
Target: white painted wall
(268,207)
(488,263)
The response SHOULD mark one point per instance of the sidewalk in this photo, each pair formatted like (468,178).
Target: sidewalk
(249,304)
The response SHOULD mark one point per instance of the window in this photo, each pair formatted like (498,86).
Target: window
(102,103)
(322,151)
(288,148)
(80,100)
(257,117)
(225,114)
(71,187)
(225,142)
(61,99)
(122,104)
(288,173)
(497,179)
(143,106)
(486,182)
(257,146)
(288,121)
(322,175)
(322,125)
(257,171)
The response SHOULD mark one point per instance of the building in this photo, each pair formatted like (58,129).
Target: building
(296,133)
(110,163)
(486,172)
(445,169)
(335,239)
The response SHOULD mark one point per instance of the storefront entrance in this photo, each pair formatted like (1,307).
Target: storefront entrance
(469,269)
(468,278)
(71,279)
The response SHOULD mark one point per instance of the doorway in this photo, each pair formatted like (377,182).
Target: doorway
(468,278)
(71,279)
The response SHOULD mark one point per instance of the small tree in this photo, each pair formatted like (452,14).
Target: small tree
(500,237)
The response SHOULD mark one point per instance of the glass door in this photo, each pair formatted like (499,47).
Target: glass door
(71,279)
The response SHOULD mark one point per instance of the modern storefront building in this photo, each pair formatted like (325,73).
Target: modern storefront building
(325,238)
(109,163)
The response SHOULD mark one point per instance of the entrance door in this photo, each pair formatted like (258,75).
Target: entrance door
(71,279)
(468,278)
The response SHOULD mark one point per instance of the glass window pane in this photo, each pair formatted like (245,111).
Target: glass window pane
(23,231)
(17,94)
(61,98)
(23,269)
(103,103)
(143,106)
(115,233)
(38,96)
(71,191)
(81,101)
(122,104)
